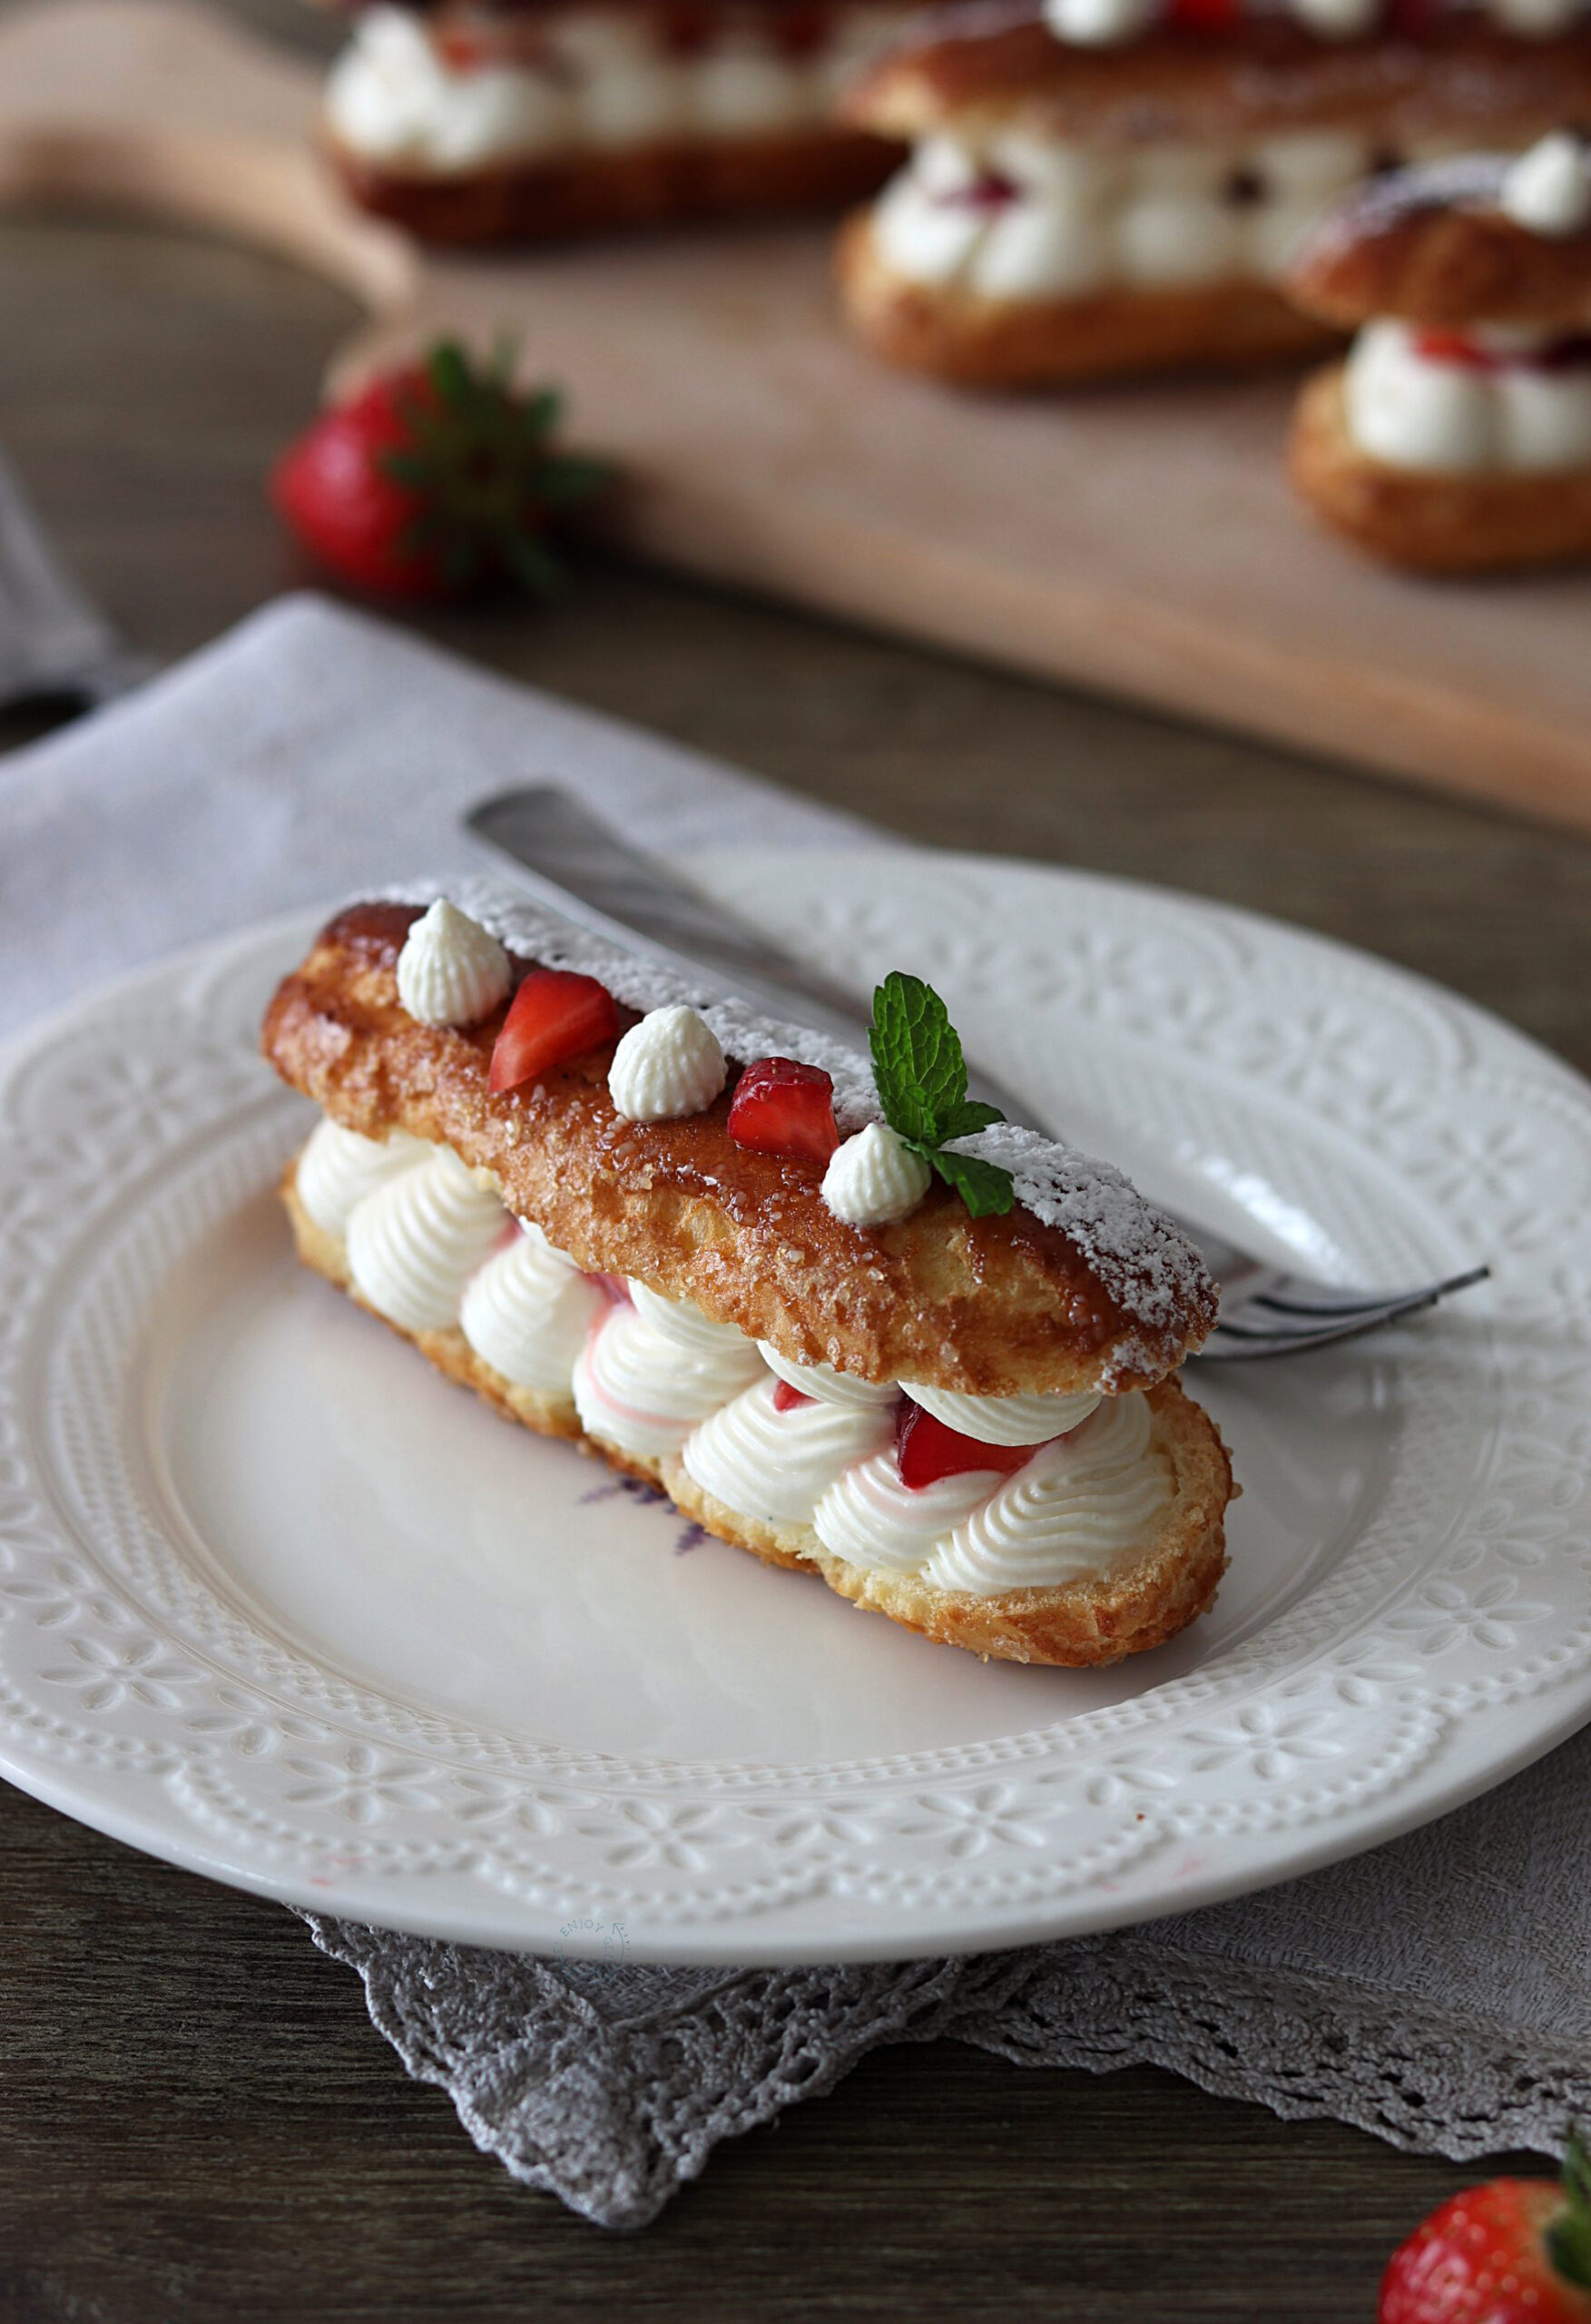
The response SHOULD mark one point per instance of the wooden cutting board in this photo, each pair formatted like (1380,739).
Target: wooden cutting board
(1139,540)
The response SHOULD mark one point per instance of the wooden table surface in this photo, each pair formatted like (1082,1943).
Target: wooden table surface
(196,2118)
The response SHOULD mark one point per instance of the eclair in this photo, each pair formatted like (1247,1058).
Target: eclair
(844,1317)
(1115,189)
(1456,437)
(494,121)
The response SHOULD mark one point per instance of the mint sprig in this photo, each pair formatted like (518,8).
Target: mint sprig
(922,1086)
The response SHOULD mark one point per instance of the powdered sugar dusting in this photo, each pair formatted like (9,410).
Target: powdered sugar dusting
(1148,1268)
(1144,1263)
(537,934)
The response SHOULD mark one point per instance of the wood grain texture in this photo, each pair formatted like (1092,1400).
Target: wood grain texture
(196,2120)
(1142,540)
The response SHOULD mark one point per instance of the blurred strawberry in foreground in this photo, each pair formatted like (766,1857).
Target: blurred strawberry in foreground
(1514,2252)
(435,481)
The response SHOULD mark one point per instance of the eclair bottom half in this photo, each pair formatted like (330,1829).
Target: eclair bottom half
(1138,1601)
(979,341)
(1429,522)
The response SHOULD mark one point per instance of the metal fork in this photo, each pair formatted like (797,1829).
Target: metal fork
(51,640)
(579,868)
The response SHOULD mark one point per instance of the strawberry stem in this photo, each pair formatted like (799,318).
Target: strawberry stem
(1568,2236)
(479,472)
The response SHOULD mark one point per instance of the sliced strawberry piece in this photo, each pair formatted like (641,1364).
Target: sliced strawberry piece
(781,1107)
(1452,347)
(787,1398)
(926,1451)
(556,1015)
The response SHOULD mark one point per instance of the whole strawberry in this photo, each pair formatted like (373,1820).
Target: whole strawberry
(433,481)
(1514,2252)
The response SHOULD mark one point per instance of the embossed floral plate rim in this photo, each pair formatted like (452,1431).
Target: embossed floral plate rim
(1448,1647)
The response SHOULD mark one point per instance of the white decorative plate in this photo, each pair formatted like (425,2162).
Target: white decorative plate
(278,1603)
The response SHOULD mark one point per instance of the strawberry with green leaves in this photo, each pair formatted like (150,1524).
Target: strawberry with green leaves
(437,480)
(1513,2252)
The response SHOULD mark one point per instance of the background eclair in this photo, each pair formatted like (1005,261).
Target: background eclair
(1456,437)
(1073,211)
(692,1245)
(490,120)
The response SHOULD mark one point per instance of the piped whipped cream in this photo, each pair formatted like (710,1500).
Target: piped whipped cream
(338,1168)
(1104,24)
(1004,1420)
(778,1465)
(451,969)
(528,1312)
(827,1386)
(874,1179)
(414,1244)
(1017,217)
(1534,19)
(645,1379)
(655,1377)
(1548,190)
(666,1067)
(1099,23)
(873,1520)
(1338,19)
(593,79)
(1500,411)
(1075,1507)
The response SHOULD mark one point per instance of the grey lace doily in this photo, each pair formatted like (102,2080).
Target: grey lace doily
(1436,1991)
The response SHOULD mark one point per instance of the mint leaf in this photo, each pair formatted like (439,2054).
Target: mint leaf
(970,1115)
(916,1057)
(985,1189)
(922,1084)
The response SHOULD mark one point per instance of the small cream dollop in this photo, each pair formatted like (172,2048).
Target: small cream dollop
(875,1179)
(1337,19)
(1534,19)
(1098,24)
(667,1065)
(451,969)
(1549,189)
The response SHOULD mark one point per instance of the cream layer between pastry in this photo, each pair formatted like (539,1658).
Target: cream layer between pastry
(430,1248)
(600,79)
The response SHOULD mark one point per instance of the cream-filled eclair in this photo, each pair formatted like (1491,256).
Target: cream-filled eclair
(1117,188)
(483,121)
(841,1316)
(1456,437)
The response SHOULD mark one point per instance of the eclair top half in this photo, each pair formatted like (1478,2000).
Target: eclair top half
(1080,1285)
(986,68)
(1434,247)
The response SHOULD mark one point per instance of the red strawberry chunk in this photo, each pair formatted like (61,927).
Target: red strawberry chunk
(926,1451)
(787,1398)
(1481,2258)
(554,1016)
(1452,347)
(782,1107)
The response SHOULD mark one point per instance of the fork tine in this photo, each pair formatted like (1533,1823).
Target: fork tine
(1285,1296)
(1234,1341)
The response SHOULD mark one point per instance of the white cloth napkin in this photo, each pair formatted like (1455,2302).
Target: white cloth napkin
(1437,1991)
